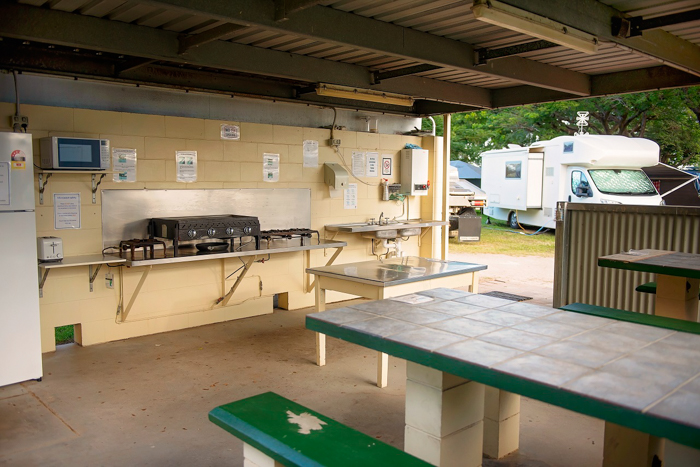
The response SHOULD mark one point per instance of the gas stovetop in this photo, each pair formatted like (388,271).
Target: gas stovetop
(290,234)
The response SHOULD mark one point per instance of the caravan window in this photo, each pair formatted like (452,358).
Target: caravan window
(513,169)
(578,179)
(622,182)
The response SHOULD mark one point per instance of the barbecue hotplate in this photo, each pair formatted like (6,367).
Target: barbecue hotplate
(228,227)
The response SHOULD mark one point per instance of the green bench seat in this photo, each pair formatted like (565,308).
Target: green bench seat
(649,287)
(293,435)
(632,317)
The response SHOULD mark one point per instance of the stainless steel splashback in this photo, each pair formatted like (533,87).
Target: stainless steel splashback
(125,213)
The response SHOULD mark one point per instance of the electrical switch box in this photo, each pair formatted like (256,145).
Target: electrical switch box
(414,172)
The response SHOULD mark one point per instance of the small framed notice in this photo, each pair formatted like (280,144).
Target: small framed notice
(66,211)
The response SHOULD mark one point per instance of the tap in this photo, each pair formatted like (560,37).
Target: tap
(380,218)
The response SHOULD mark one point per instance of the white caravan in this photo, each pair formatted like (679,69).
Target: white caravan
(523,185)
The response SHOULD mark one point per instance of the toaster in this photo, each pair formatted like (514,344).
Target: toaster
(49,248)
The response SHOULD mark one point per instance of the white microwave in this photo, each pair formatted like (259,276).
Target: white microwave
(60,152)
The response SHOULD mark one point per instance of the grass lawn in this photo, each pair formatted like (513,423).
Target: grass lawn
(64,334)
(498,238)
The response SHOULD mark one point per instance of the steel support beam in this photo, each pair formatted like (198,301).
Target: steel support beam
(379,76)
(342,28)
(190,42)
(172,77)
(284,8)
(60,28)
(647,79)
(595,17)
(484,55)
(433,89)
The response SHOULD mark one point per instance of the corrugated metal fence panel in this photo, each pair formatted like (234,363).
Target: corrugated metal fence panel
(590,231)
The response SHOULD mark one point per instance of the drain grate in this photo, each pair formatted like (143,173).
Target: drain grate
(507,296)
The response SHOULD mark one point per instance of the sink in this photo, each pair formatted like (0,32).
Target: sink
(409,232)
(381,234)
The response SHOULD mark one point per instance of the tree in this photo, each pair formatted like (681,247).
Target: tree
(669,117)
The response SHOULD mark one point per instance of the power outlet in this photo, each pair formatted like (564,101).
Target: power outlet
(20,120)
(109,280)
(334,142)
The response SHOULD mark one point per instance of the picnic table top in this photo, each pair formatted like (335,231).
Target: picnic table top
(670,263)
(640,376)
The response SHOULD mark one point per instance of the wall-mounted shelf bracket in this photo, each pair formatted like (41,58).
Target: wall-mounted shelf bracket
(42,185)
(95,185)
(93,276)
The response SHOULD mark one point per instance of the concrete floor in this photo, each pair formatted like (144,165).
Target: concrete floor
(144,401)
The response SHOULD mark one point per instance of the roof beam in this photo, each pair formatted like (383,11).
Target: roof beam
(67,29)
(646,79)
(284,8)
(84,32)
(433,89)
(62,63)
(347,29)
(189,42)
(594,17)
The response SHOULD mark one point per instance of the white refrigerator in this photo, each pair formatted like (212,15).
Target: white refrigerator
(20,333)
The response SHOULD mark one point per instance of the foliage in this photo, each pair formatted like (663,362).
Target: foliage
(669,117)
(65,334)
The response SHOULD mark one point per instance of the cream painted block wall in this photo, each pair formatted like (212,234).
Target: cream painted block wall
(180,296)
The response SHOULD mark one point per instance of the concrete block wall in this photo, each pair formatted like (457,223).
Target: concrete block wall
(183,295)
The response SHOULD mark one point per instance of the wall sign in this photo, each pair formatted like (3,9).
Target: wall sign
(186,162)
(386,165)
(66,211)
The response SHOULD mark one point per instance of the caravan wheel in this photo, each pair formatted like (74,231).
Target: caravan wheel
(513,220)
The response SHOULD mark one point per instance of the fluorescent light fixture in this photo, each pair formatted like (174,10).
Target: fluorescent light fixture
(367,95)
(515,19)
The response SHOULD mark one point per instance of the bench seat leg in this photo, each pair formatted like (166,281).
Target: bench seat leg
(254,458)
(444,417)
(501,422)
(625,447)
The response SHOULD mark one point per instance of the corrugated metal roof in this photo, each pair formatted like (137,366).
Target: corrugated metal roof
(448,19)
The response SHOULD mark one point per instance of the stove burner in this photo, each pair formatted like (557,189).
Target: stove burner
(289,234)
(147,244)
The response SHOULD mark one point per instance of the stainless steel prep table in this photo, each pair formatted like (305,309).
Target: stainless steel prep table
(247,250)
(381,279)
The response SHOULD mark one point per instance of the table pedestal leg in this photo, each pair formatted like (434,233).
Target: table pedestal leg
(444,417)
(625,447)
(677,297)
(677,455)
(501,422)
(382,369)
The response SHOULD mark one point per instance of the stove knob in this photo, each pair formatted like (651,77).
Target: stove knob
(211,232)
(229,230)
(192,233)
(247,230)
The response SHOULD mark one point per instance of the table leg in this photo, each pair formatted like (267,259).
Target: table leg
(382,369)
(501,422)
(677,455)
(677,297)
(444,417)
(474,286)
(623,447)
(320,338)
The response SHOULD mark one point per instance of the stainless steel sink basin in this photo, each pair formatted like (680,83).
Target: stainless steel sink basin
(364,227)
(381,234)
